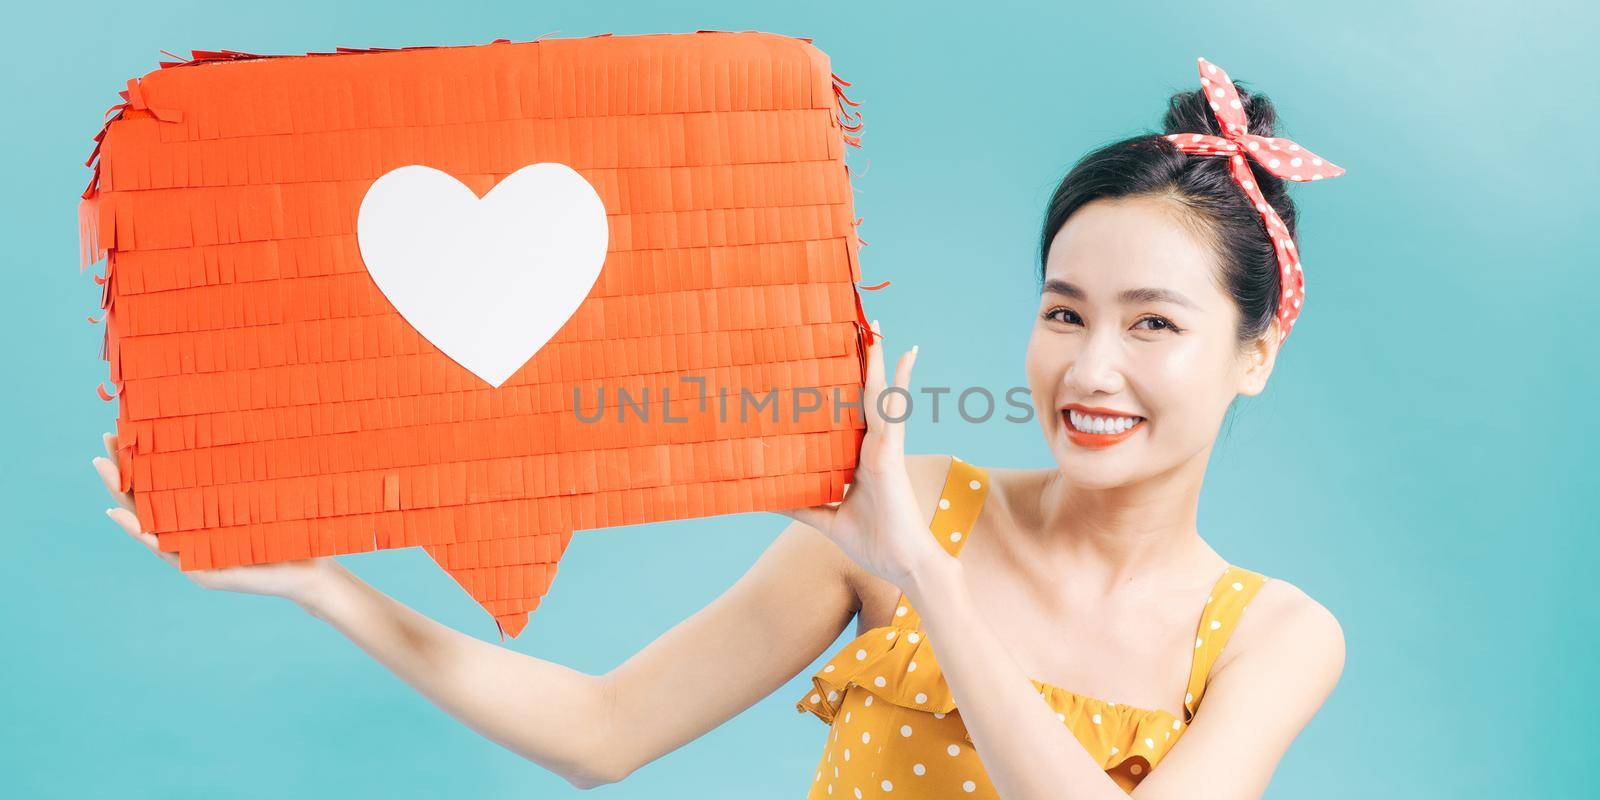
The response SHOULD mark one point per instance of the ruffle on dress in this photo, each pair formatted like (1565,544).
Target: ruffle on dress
(898,665)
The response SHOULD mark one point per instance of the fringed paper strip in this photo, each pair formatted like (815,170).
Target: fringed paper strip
(272,404)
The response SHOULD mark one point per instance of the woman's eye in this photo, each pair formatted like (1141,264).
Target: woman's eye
(1165,324)
(1060,314)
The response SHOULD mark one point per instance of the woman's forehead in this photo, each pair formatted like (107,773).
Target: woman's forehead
(1134,241)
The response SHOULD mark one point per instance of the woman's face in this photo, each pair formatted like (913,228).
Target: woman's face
(1131,322)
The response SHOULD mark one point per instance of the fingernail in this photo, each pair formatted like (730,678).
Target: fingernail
(913,349)
(108,512)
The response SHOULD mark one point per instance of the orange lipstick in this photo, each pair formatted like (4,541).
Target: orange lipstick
(1096,441)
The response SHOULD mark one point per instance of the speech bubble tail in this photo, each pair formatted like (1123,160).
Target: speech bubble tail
(512,624)
(508,576)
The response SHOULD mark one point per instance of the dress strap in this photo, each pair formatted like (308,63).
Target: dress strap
(1229,598)
(965,487)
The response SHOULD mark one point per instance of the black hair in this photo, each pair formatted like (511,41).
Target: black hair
(1209,199)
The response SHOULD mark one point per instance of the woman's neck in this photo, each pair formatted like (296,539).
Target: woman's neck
(1111,538)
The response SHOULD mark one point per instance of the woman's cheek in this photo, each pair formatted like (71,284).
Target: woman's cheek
(1176,387)
(1044,366)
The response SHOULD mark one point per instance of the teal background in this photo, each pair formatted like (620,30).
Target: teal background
(1421,463)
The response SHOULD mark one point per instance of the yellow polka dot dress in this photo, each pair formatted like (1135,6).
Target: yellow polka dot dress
(894,729)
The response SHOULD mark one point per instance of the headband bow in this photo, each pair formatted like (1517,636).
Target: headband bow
(1279,156)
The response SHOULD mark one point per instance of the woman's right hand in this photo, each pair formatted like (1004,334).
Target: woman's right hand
(299,580)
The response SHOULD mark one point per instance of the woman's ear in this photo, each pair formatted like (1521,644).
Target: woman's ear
(1259,357)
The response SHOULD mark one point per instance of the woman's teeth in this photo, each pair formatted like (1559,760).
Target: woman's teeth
(1089,423)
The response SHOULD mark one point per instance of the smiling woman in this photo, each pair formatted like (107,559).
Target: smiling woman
(1169,282)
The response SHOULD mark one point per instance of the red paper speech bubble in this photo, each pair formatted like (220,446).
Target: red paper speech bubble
(273,404)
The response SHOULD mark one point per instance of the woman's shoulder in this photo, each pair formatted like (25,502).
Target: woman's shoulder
(875,597)
(925,468)
(1279,602)
(930,472)
(1284,621)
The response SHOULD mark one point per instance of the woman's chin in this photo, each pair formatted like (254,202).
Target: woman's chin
(1093,462)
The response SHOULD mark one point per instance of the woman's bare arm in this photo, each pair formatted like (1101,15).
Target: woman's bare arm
(777,618)
(1290,654)
(545,712)
(772,623)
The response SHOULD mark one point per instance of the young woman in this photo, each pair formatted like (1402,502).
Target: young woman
(1072,643)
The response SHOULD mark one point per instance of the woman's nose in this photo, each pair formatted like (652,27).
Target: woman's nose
(1096,367)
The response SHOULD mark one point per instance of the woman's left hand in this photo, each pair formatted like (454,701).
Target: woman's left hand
(879,523)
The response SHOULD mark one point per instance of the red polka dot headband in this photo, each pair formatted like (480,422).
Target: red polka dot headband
(1281,157)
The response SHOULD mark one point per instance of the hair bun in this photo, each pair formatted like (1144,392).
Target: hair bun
(1190,112)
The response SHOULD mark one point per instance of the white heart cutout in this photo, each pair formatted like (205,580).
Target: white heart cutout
(488,281)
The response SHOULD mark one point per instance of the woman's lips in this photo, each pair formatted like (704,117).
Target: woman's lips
(1096,441)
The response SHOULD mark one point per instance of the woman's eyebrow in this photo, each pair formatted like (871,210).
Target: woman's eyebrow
(1130,296)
